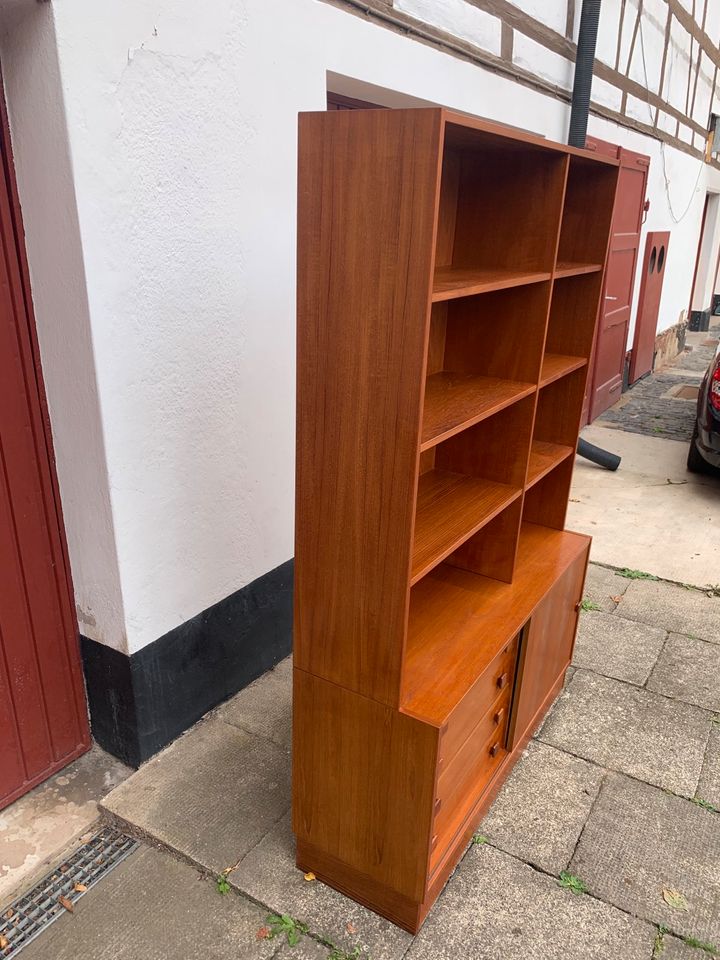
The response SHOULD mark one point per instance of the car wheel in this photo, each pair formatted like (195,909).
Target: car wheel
(695,461)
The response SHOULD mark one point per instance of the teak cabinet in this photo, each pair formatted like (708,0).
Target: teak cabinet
(449,275)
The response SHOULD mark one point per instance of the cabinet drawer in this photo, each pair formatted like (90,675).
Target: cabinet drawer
(467,774)
(495,681)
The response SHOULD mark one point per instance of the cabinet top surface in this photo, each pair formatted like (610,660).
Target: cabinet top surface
(463,126)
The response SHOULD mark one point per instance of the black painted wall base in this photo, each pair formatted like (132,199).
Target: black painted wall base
(140,703)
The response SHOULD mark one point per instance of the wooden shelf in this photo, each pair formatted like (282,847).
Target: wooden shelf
(544,456)
(452,282)
(566,268)
(460,621)
(556,365)
(451,507)
(455,401)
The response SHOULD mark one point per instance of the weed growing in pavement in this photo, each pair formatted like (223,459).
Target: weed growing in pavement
(479,839)
(222,884)
(569,881)
(705,804)
(590,605)
(282,923)
(659,945)
(635,574)
(702,945)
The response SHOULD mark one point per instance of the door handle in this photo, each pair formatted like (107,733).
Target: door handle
(612,298)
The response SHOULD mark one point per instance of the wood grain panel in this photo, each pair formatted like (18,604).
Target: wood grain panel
(362,773)
(547,646)
(451,507)
(367,204)
(459,621)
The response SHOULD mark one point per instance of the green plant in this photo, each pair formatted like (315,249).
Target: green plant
(702,945)
(282,923)
(479,839)
(635,574)
(569,881)
(590,605)
(336,953)
(659,944)
(705,804)
(222,884)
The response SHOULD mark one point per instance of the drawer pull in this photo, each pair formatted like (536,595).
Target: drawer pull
(498,716)
(501,681)
(494,749)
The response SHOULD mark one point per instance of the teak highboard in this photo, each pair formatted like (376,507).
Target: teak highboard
(449,276)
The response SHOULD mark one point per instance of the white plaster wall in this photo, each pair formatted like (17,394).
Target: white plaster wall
(182,131)
(45,184)
(683,200)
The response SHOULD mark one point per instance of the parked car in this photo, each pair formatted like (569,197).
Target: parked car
(704,452)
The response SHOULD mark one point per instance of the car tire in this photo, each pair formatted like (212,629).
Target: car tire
(695,461)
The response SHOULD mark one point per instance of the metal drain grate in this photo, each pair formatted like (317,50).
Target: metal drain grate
(26,918)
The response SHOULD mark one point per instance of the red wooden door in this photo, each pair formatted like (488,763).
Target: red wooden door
(608,361)
(653,273)
(43,717)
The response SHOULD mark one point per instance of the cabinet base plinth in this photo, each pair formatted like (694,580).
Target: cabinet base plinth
(388,903)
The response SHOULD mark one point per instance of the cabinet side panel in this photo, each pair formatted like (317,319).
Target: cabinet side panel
(547,647)
(363,782)
(368,185)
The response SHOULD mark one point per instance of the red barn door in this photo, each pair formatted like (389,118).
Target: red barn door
(43,717)
(608,361)
(643,352)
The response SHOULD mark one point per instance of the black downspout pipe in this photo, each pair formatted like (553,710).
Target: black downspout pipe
(584,60)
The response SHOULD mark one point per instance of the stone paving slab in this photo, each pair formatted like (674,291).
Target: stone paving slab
(265,707)
(615,647)
(38,829)
(689,670)
(675,608)
(630,730)
(268,874)
(541,809)
(639,840)
(601,585)
(307,949)
(211,795)
(675,949)
(709,786)
(497,908)
(152,907)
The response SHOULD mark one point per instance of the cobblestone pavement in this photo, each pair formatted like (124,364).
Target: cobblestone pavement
(649,407)
(617,796)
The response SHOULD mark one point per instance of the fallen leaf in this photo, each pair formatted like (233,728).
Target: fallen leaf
(616,599)
(63,868)
(80,887)
(9,915)
(351,928)
(575,500)
(310,876)
(674,899)
(263,933)
(64,902)
(4,942)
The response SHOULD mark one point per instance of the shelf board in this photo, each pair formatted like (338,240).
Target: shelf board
(565,268)
(452,282)
(451,507)
(455,401)
(459,621)
(544,457)
(556,365)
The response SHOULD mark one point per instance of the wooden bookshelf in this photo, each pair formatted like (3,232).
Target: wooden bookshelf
(449,276)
